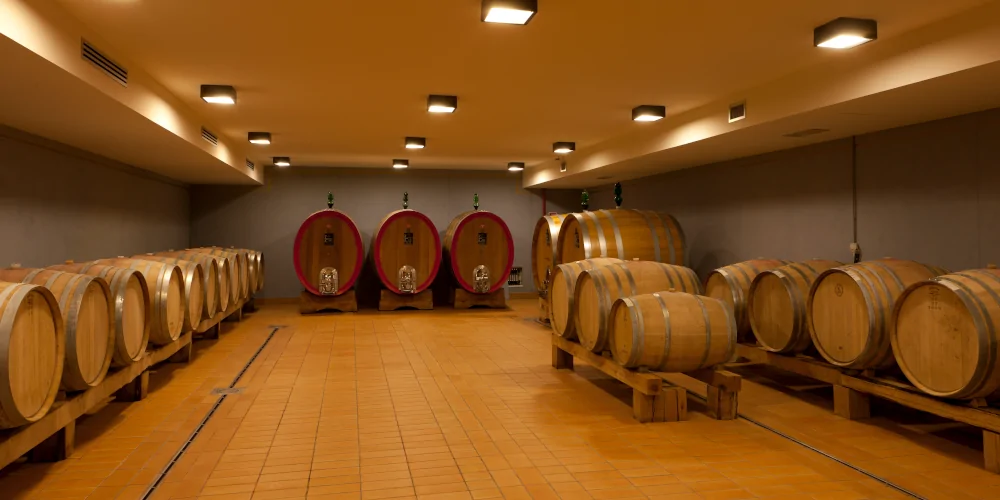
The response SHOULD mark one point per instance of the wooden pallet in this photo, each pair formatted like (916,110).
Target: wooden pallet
(852,393)
(652,401)
(52,437)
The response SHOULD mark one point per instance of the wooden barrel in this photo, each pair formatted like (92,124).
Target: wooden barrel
(241,278)
(222,267)
(776,305)
(406,251)
(598,289)
(731,285)
(260,271)
(560,295)
(622,234)
(543,249)
(250,261)
(256,264)
(671,332)
(166,295)
(850,310)
(32,343)
(946,334)
(328,253)
(87,308)
(133,312)
(201,285)
(479,251)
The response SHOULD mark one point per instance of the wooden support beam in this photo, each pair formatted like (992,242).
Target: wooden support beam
(561,360)
(58,446)
(991,451)
(136,390)
(851,404)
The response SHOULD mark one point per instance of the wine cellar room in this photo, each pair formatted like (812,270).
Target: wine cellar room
(499,249)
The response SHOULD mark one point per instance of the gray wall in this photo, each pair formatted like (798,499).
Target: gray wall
(267,218)
(928,192)
(59,203)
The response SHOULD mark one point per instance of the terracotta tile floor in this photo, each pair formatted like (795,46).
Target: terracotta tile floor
(464,405)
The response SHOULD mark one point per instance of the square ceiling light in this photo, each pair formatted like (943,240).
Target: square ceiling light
(648,113)
(262,138)
(515,166)
(282,161)
(845,32)
(218,94)
(416,143)
(509,11)
(442,103)
(398,164)
(563,147)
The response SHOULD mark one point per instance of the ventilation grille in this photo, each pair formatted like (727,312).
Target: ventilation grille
(807,132)
(210,137)
(737,112)
(514,278)
(250,164)
(116,71)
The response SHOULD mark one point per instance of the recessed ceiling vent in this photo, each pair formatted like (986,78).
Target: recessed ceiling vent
(737,112)
(116,71)
(250,164)
(807,132)
(210,137)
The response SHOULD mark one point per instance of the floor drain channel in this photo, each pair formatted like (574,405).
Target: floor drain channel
(222,392)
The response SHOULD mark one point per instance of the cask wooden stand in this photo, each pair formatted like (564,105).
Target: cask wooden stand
(652,401)
(851,396)
(390,301)
(345,302)
(52,437)
(543,308)
(465,300)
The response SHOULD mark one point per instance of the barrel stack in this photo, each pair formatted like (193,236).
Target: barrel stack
(406,255)
(328,256)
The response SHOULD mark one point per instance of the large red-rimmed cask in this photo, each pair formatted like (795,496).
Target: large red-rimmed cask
(622,234)
(328,253)
(479,251)
(406,251)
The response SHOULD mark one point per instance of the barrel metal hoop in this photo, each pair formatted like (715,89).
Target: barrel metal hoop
(584,232)
(739,289)
(889,297)
(631,279)
(72,318)
(31,275)
(708,331)
(666,331)
(798,308)
(734,290)
(976,309)
(642,327)
(600,233)
(602,298)
(733,336)
(895,278)
(694,280)
(618,234)
(652,231)
(637,335)
(602,331)
(670,238)
(570,297)
(874,319)
(667,271)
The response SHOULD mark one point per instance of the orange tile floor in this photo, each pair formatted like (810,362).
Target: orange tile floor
(465,405)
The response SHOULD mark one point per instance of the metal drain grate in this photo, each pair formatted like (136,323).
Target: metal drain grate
(218,391)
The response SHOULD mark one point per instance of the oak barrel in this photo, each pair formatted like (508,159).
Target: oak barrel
(671,332)
(241,278)
(328,253)
(222,267)
(201,286)
(560,295)
(406,251)
(776,305)
(543,249)
(598,289)
(133,311)
(731,285)
(622,234)
(945,331)
(850,310)
(479,251)
(32,341)
(250,262)
(166,295)
(87,308)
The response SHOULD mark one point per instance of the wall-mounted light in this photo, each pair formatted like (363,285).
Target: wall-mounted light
(845,32)
(218,94)
(400,163)
(416,143)
(563,147)
(282,161)
(515,166)
(509,11)
(442,103)
(259,137)
(648,113)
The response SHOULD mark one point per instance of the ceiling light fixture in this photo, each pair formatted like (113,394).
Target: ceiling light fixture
(648,113)
(509,11)
(400,163)
(282,161)
(563,147)
(416,143)
(259,137)
(218,94)
(845,32)
(515,166)
(442,103)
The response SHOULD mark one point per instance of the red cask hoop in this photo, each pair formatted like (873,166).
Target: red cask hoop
(359,260)
(376,247)
(466,218)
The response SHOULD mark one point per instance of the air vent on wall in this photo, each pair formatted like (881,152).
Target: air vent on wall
(116,71)
(737,112)
(250,165)
(210,137)
(807,132)
(514,278)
